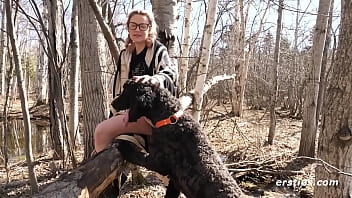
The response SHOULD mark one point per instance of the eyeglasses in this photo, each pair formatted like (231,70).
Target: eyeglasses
(142,26)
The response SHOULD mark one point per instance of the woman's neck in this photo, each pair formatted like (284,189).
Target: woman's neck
(139,47)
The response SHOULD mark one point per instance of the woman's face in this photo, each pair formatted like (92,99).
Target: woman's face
(138,27)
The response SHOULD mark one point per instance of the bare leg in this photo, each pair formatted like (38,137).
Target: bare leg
(107,130)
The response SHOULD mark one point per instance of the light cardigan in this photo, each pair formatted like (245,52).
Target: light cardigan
(164,69)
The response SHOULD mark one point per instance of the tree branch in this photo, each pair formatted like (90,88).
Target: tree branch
(325,164)
(215,80)
(90,179)
(108,35)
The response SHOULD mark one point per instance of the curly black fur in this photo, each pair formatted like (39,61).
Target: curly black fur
(180,150)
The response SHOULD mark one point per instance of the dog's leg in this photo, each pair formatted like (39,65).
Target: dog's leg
(131,153)
(172,191)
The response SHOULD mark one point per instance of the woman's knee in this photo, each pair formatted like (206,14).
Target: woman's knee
(108,129)
(99,131)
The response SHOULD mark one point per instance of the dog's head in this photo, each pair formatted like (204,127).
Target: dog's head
(137,97)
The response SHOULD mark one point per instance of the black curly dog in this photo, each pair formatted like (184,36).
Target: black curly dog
(179,149)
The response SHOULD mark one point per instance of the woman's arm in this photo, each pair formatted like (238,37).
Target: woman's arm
(167,72)
(166,69)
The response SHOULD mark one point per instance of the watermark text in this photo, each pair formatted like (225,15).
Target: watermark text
(306,182)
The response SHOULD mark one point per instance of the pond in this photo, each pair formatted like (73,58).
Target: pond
(41,140)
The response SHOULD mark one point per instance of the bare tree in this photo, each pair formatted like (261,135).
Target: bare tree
(9,80)
(324,62)
(53,40)
(93,88)
(185,48)
(74,74)
(23,96)
(309,126)
(204,58)
(293,86)
(58,126)
(274,88)
(42,68)
(2,52)
(335,137)
(238,51)
(243,60)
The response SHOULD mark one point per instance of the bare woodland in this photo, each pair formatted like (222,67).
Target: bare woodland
(287,61)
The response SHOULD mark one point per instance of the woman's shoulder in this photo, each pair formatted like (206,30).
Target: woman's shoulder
(125,52)
(125,56)
(158,45)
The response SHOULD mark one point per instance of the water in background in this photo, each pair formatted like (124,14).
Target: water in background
(15,139)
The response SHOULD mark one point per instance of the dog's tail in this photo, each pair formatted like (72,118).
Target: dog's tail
(187,100)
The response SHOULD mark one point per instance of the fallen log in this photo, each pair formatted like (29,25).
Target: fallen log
(90,179)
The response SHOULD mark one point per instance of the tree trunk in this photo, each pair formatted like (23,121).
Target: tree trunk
(58,125)
(5,120)
(24,102)
(55,87)
(92,176)
(74,74)
(335,138)
(93,88)
(324,62)
(292,93)
(240,67)
(165,16)
(204,58)
(3,53)
(185,49)
(42,68)
(274,87)
(309,126)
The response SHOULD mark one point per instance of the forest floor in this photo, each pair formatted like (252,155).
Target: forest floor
(241,142)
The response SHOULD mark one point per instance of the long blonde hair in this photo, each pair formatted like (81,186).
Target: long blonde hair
(152,29)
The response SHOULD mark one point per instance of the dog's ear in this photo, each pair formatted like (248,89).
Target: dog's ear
(144,100)
(120,103)
(123,101)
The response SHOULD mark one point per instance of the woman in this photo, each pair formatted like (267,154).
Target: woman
(144,60)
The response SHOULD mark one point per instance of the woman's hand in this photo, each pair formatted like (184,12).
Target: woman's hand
(147,80)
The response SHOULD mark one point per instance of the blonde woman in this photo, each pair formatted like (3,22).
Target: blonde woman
(145,60)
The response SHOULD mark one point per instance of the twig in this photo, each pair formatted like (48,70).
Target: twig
(233,121)
(326,164)
(216,126)
(272,172)
(247,163)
